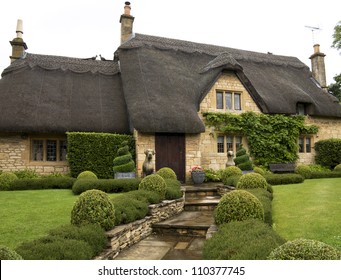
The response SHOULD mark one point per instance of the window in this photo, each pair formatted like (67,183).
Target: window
(304,143)
(49,150)
(232,143)
(303,109)
(228,100)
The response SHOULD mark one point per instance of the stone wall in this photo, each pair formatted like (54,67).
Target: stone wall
(124,236)
(15,156)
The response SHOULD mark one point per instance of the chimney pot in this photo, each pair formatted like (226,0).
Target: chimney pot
(127,8)
(19,30)
(316,48)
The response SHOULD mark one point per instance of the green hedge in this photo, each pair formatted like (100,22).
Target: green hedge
(106,185)
(283,179)
(95,152)
(265,197)
(325,174)
(43,183)
(328,152)
(242,240)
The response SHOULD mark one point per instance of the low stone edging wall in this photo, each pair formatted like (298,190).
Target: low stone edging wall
(124,236)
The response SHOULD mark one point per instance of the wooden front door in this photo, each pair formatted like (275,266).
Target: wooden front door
(170,152)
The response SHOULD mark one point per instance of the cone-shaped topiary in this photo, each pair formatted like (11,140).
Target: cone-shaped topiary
(154,183)
(305,249)
(242,159)
(238,205)
(93,207)
(124,161)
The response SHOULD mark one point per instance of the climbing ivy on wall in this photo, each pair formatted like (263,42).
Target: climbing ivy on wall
(271,138)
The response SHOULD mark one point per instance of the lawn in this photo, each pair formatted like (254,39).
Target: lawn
(27,215)
(309,210)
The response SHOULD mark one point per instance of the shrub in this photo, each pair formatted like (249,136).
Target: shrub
(242,240)
(259,170)
(87,175)
(304,171)
(55,248)
(265,197)
(232,180)
(328,152)
(230,171)
(93,207)
(167,173)
(242,159)
(106,185)
(173,189)
(283,179)
(94,235)
(95,152)
(238,205)
(129,209)
(154,183)
(6,179)
(305,249)
(8,254)
(26,174)
(43,183)
(337,168)
(124,160)
(149,197)
(325,174)
(212,175)
(251,181)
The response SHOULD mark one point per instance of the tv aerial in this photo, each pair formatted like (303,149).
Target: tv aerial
(313,29)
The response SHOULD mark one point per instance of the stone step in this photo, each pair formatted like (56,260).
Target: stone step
(207,203)
(189,223)
(200,191)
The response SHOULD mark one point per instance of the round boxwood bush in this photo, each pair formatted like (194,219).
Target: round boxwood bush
(242,240)
(337,167)
(304,171)
(93,207)
(154,183)
(167,173)
(252,181)
(6,179)
(87,175)
(230,171)
(8,254)
(305,249)
(259,170)
(238,205)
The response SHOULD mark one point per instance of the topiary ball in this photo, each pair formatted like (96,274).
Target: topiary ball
(305,249)
(238,205)
(93,207)
(230,171)
(9,254)
(303,170)
(167,173)
(155,183)
(87,175)
(6,179)
(337,167)
(252,181)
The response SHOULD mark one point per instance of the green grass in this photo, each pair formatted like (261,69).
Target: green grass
(27,215)
(310,210)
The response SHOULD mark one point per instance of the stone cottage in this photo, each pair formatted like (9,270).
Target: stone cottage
(156,89)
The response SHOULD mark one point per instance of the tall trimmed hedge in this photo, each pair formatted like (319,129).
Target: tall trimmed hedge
(328,152)
(95,152)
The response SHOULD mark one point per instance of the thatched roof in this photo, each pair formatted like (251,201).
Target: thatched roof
(155,84)
(165,80)
(41,93)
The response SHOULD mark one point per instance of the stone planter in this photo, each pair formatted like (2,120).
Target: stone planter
(198,177)
(125,175)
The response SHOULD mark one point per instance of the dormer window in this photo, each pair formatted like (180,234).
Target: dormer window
(302,109)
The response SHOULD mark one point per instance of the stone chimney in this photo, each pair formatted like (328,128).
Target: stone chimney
(318,67)
(126,21)
(18,44)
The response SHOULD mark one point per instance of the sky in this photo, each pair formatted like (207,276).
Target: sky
(85,28)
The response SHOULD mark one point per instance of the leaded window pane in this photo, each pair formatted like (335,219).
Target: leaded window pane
(38,150)
(51,150)
(228,100)
(220,104)
(237,102)
(62,150)
(220,144)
